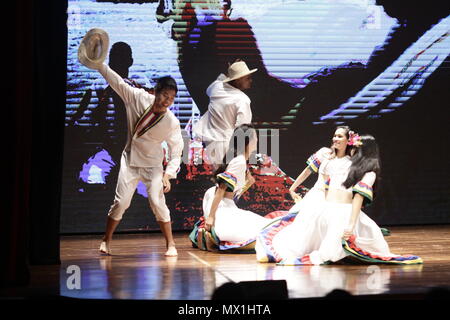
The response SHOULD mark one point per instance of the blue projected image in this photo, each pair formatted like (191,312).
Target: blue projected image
(364,63)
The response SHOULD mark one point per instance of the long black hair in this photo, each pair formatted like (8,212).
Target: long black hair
(365,159)
(237,146)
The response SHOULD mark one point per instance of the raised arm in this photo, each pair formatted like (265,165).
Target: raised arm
(124,90)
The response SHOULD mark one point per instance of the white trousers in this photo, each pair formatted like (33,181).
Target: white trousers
(127,182)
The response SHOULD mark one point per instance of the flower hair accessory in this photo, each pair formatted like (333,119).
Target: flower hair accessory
(354,139)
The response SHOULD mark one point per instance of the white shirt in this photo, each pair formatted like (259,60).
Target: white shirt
(238,168)
(146,150)
(337,170)
(228,108)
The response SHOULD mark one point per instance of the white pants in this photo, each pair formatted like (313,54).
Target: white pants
(127,182)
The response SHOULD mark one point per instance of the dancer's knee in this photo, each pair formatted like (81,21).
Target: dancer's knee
(118,209)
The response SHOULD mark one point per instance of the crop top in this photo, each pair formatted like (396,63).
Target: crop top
(337,172)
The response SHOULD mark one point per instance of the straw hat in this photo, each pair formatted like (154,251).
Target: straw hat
(93,48)
(238,70)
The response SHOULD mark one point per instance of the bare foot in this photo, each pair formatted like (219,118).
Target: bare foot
(104,248)
(200,235)
(171,252)
(211,245)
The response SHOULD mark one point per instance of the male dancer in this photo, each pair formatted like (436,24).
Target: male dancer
(150,122)
(228,108)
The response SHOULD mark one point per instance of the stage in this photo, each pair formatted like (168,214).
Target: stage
(138,270)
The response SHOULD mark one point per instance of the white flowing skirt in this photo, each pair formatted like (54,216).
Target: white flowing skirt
(301,230)
(233,224)
(325,241)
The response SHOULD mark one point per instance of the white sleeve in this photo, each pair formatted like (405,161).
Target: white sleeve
(315,160)
(211,87)
(125,91)
(175,144)
(365,187)
(243,112)
(369,178)
(230,175)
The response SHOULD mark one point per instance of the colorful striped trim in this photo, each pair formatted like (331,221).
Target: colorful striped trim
(351,248)
(313,163)
(266,236)
(198,235)
(365,190)
(229,179)
(147,113)
(327,184)
(154,119)
(193,236)
(248,245)
(290,262)
(304,261)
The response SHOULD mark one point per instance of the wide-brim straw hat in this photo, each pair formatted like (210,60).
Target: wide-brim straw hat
(93,48)
(238,70)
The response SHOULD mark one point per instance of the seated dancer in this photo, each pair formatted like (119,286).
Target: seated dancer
(224,226)
(290,229)
(317,192)
(341,229)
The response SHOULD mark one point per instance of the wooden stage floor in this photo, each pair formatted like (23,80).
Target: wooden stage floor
(138,269)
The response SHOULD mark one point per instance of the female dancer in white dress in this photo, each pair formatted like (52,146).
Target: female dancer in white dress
(280,239)
(317,192)
(223,225)
(342,229)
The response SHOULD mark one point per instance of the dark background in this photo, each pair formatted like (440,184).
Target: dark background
(415,151)
(415,177)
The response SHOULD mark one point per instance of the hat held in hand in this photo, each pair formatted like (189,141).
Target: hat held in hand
(93,48)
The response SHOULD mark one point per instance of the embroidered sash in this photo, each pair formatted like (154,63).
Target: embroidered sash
(147,121)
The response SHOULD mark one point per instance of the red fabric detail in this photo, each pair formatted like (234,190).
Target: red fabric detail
(202,222)
(351,242)
(276,214)
(271,234)
(365,185)
(306,260)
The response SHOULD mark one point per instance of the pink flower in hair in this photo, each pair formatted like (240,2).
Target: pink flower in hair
(354,139)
